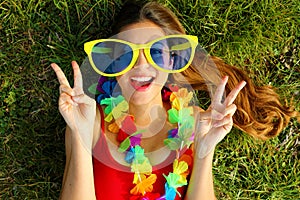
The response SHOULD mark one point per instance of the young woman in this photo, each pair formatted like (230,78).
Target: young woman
(148,140)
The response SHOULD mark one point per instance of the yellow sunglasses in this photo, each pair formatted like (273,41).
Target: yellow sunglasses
(114,57)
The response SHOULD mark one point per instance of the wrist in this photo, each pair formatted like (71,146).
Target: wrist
(207,156)
(204,149)
(82,139)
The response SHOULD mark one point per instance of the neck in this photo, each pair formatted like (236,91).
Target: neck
(146,114)
(151,118)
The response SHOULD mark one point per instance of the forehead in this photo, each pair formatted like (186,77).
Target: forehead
(141,32)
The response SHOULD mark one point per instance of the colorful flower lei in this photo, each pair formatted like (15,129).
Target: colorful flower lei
(179,139)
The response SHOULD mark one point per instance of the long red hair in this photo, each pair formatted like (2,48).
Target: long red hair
(260,111)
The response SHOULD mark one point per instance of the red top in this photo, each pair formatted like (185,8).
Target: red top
(113,180)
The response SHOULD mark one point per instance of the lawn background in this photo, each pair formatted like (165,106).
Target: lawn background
(261,37)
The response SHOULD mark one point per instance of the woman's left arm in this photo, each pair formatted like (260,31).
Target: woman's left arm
(212,126)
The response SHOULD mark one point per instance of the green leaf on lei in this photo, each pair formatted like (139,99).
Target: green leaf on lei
(93,89)
(139,153)
(143,167)
(181,116)
(173,115)
(186,130)
(141,163)
(173,143)
(111,103)
(124,145)
(173,180)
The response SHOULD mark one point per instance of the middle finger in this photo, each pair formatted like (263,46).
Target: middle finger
(77,79)
(217,98)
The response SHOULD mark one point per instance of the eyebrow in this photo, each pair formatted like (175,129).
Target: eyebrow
(154,37)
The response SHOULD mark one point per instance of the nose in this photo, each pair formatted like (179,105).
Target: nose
(141,60)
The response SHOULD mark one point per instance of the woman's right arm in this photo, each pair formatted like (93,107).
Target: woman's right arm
(78,180)
(79,112)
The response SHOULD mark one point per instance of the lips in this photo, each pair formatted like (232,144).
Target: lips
(141,83)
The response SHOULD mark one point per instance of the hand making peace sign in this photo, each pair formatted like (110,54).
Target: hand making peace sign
(217,121)
(77,108)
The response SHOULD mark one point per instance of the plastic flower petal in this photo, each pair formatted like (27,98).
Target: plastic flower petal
(173,133)
(173,180)
(181,98)
(173,115)
(119,110)
(138,178)
(179,167)
(128,125)
(166,93)
(126,143)
(139,151)
(173,87)
(105,88)
(111,103)
(144,186)
(141,163)
(186,131)
(175,102)
(108,86)
(113,127)
(135,140)
(186,158)
(93,89)
(173,143)
(130,155)
(170,192)
(102,80)
(182,116)
(186,115)
(144,167)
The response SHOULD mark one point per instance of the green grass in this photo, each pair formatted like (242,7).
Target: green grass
(261,37)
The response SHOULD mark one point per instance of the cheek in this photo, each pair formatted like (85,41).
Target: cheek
(121,82)
(162,78)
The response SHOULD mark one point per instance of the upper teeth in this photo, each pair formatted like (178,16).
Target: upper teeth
(141,79)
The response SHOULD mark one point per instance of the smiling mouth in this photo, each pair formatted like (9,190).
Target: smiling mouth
(141,83)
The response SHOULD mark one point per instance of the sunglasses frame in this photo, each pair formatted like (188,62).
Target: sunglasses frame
(193,42)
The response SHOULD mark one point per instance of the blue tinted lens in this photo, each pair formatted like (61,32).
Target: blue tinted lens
(111,57)
(174,50)
(160,53)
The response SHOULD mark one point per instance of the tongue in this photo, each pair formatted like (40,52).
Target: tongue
(139,84)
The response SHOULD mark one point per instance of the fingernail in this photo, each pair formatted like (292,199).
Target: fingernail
(244,83)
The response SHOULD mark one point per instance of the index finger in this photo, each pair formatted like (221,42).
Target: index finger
(60,75)
(233,94)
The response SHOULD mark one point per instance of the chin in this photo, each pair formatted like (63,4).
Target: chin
(151,96)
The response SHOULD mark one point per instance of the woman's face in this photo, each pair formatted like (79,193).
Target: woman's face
(143,83)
